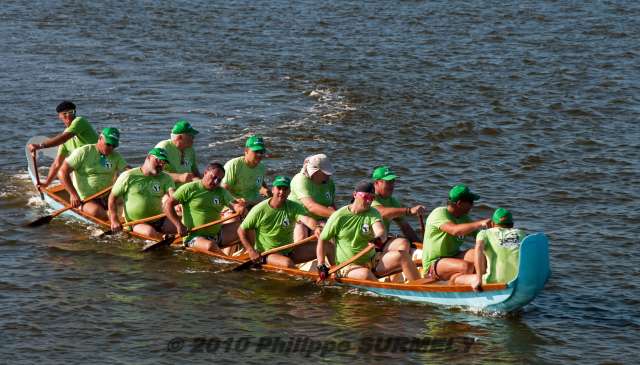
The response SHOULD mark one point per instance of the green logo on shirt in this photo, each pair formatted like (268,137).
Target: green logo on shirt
(365,228)
(216,201)
(285,222)
(155,187)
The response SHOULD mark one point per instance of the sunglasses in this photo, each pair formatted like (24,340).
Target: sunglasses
(68,112)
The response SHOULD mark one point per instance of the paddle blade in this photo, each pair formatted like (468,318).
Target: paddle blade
(246,265)
(40,221)
(155,245)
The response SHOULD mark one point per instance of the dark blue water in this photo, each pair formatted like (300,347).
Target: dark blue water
(532,103)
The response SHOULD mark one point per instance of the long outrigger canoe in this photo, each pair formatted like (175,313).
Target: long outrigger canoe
(494,298)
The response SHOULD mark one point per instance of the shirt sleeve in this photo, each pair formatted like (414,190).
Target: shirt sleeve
(229,173)
(297,210)
(75,159)
(182,194)
(482,236)
(438,218)
(227,197)
(120,186)
(330,229)
(168,182)
(302,187)
(251,220)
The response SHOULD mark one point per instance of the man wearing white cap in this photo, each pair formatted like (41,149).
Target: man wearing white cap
(314,189)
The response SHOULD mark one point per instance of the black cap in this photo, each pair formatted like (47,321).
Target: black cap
(364,186)
(64,106)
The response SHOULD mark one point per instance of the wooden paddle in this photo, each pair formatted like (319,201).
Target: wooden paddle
(170,238)
(421,218)
(336,268)
(46,219)
(35,170)
(249,263)
(133,223)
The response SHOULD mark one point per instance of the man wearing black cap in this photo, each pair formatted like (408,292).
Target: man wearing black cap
(353,227)
(78,132)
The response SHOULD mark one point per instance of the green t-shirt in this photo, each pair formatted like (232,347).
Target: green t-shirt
(437,243)
(83,134)
(273,227)
(389,202)
(200,206)
(179,162)
(93,171)
(242,180)
(304,187)
(142,194)
(352,232)
(502,248)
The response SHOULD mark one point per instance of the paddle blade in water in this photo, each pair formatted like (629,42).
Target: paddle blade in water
(245,265)
(154,245)
(40,221)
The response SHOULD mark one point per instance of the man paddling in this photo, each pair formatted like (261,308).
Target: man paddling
(271,222)
(353,227)
(244,175)
(94,167)
(313,187)
(501,244)
(445,230)
(390,208)
(143,189)
(78,132)
(202,202)
(182,165)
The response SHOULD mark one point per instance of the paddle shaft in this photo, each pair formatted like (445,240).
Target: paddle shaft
(167,241)
(421,218)
(351,260)
(249,263)
(35,170)
(89,198)
(133,223)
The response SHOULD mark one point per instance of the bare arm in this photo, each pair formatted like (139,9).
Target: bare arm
(246,243)
(464,229)
(169,210)
(116,226)
(312,224)
(479,264)
(53,141)
(317,209)
(53,170)
(378,231)
(320,251)
(182,178)
(65,177)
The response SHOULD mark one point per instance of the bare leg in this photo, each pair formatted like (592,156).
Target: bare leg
(307,252)
(277,259)
(147,230)
(300,232)
(95,210)
(230,234)
(361,273)
(448,266)
(394,259)
(202,244)
(397,244)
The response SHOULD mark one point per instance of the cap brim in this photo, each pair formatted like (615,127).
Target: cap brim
(193,132)
(281,185)
(257,148)
(326,172)
(112,141)
(389,177)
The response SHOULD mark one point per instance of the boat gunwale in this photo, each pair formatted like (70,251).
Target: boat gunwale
(54,193)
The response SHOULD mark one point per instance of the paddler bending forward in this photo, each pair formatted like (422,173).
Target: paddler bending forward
(202,202)
(272,222)
(143,189)
(353,227)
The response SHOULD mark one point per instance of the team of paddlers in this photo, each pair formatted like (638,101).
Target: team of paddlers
(169,186)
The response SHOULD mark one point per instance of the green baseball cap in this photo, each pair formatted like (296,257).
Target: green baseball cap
(502,216)
(183,127)
(159,153)
(111,136)
(462,192)
(282,181)
(255,143)
(383,173)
